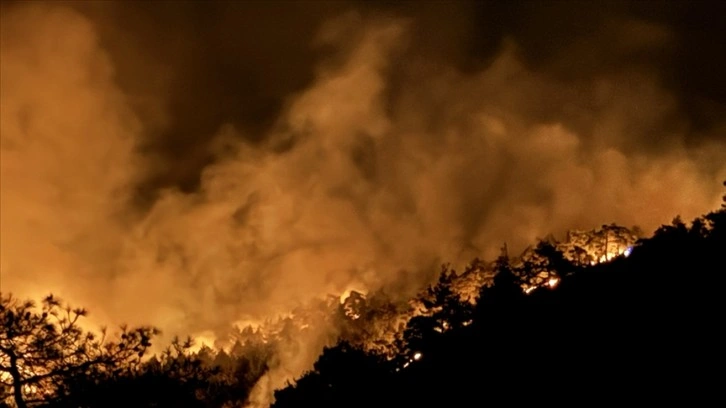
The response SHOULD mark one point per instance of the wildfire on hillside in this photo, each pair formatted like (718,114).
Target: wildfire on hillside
(376,323)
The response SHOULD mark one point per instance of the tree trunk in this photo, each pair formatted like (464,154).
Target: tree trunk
(17,386)
(607,253)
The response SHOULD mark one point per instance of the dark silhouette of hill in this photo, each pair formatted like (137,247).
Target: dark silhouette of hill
(642,329)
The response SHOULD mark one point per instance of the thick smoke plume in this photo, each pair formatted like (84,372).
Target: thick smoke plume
(386,163)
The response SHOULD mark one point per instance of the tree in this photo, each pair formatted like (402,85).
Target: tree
(343,376)
(42,350)
(611,240)
(555,262)
(176,377)
(506,283)
(443,310)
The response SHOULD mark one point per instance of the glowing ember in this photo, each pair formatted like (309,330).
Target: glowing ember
(416,357)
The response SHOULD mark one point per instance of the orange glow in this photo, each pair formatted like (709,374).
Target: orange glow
(130,187)
(206,338)
(347,293)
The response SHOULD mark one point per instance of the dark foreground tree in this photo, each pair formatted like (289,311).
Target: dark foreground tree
(42,349)
(174,378)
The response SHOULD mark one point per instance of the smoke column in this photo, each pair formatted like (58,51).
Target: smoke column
(385,163)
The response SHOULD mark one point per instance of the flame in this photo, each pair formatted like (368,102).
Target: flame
(416,357)
(205,338)
(347,293)
(620,251)
(550,283)
(351,300)
(253,324)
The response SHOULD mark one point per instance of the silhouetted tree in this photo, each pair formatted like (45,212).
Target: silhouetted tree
(42,350)
(343,376)
(555,263)
(206,354)
(174,378)
(506,284)
(443,310)
(222,359)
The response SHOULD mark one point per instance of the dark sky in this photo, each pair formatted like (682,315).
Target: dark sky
(237,62)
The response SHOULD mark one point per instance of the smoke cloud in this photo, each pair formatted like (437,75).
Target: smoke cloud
(68,165)
(382,158)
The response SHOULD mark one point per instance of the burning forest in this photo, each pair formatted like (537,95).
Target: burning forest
(276,204)
(48,360)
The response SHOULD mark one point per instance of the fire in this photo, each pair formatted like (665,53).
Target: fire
(416,357)
(621,251)
(206,338)
(348,293)
(352,301)
(381,336)
(598,245)
(550,283)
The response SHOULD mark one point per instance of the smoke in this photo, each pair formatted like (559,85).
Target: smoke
(67,160)
(383,164)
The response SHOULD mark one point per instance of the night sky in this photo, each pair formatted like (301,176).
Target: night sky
(226,62)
